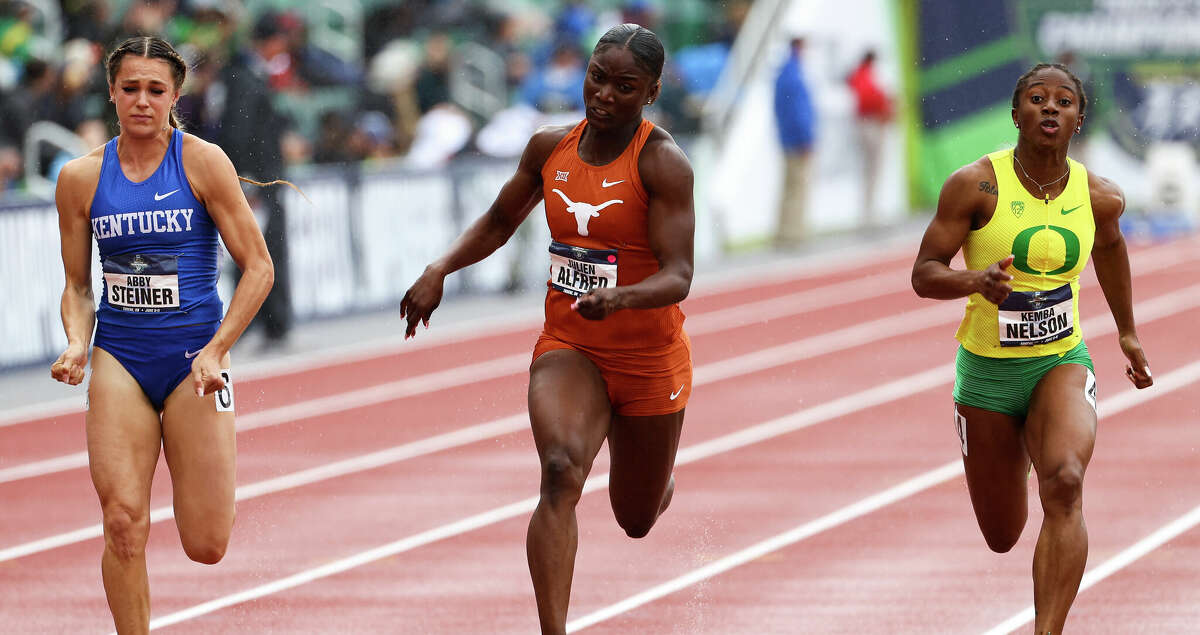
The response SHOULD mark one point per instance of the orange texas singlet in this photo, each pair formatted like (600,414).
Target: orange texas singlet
(598,218)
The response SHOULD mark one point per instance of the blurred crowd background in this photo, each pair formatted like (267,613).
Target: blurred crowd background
(805,121)
(418,82)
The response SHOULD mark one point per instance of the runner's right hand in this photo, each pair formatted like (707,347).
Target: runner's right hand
(69,367)
(421,299)
(993,284)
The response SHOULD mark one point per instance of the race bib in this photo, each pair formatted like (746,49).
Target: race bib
(142,283)
(575,270)
(1029,318)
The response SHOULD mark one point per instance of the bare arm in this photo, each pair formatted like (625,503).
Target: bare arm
(1112,271)
(76,186)
(967,196)
(487,234)
(215,182)
(668,179)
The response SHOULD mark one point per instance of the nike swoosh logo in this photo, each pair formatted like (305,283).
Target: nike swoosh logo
(676,393)
(190,355)
(605,183)
(1068,211)
(159,197)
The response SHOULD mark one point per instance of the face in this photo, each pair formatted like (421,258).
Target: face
(616,89)
(144,93)
(1047,111)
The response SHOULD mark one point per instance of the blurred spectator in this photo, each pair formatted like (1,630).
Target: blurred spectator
(559,86)
(433,76)
(874,111)
(252,132)
(441,134)
(796,120)
(10,168)
(147,17)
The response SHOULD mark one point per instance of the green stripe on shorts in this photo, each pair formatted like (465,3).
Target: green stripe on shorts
(1005,385)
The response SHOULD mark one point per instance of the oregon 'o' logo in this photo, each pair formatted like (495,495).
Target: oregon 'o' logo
(1020,250)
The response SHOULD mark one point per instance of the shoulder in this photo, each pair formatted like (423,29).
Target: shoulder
(79,177)
(205,164)
(545,139)
(661,151)
(1108,201)
(200,156)
(977,177)
(662,163)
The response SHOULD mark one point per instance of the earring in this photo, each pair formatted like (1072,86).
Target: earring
(649,102)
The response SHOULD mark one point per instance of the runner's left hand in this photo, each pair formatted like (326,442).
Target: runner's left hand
(206,373)
(597,304)
(1138,369)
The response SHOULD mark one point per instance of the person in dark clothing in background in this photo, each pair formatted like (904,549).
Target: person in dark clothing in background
(251,131)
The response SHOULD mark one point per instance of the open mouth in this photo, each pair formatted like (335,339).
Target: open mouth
(598,113)
(1050,126)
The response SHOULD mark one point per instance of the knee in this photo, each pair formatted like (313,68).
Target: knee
(639,528)
(562,477)
(1062,490)
(207,550)
(1002,541)
(126,528)
(1002,531)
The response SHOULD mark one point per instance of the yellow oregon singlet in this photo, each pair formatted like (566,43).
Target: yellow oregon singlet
(1050,242)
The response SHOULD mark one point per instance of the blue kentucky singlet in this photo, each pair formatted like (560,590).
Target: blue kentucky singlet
(158,246)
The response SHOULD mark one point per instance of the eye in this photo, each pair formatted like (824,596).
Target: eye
(1037,99)
(596,76)
(626,88)
(158,91)
(1064,102)
(129,89)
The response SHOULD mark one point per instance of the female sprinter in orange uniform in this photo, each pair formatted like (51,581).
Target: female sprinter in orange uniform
(155,199)
(613,361)
(1025,392)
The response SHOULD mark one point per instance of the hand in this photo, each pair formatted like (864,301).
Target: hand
(206,373)
(70,366)
(421,299)
(1138,369)
(597,304)
(993,281)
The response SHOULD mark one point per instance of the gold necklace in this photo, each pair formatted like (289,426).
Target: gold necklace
(1041,187)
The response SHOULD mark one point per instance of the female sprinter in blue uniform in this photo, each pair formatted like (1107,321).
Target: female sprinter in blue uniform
(1026,220)
(155,199)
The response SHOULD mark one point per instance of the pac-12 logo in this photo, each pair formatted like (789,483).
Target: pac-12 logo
(1018,208)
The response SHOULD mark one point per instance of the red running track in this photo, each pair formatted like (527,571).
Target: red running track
(816,390)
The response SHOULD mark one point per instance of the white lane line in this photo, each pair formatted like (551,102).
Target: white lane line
(1144,262)
(1138,549)
(754,434)
(1158,307)
(1127,556)
(829,342)
(1120,402)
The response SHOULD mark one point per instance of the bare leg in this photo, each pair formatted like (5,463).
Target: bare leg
(1060,435)
(200,447)
(640,486)
(996,467)
(570,416)
(123,438)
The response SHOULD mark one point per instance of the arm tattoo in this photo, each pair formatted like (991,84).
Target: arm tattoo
(985,186)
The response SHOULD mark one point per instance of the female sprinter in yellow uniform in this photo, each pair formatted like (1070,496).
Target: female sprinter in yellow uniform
(1026,220)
